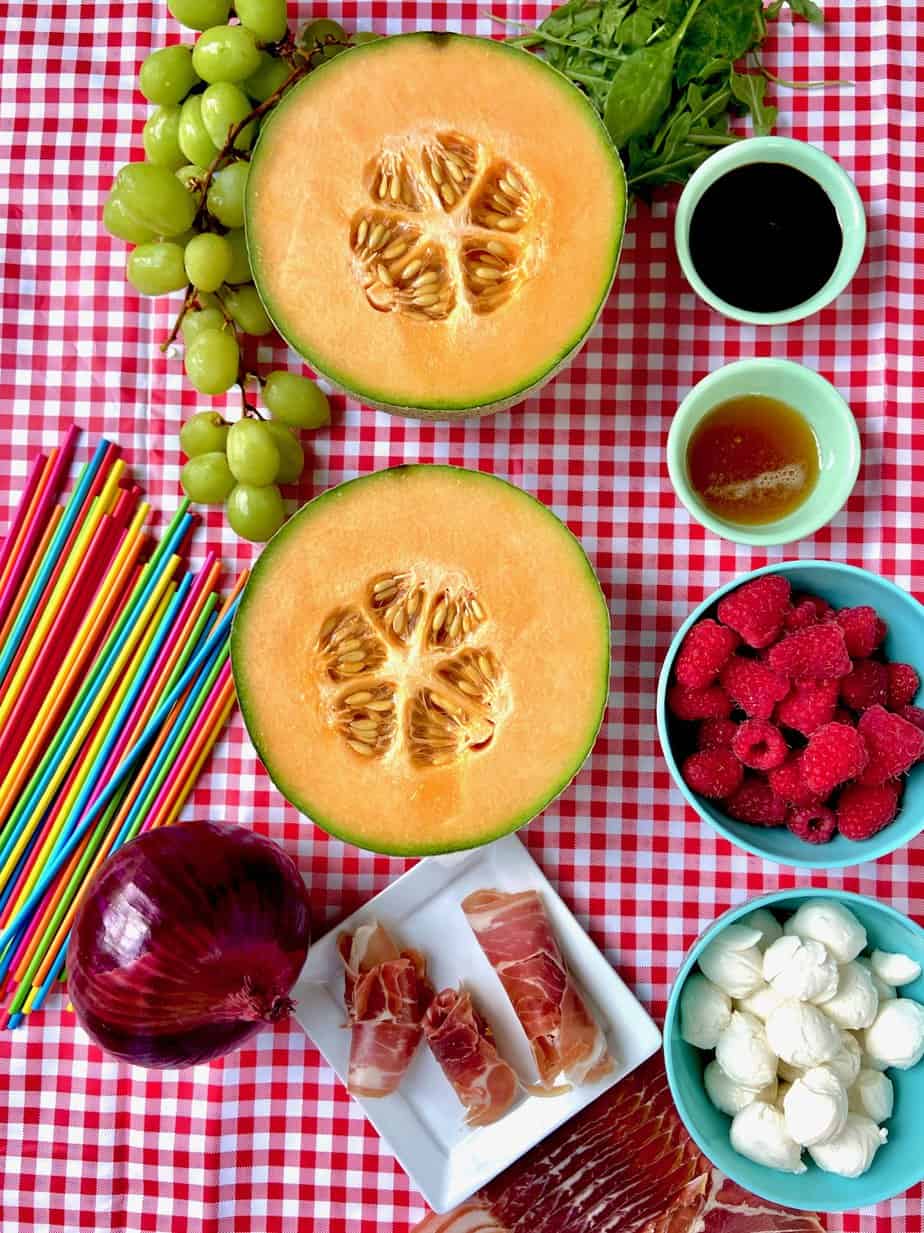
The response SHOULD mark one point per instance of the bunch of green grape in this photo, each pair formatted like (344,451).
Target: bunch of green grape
(183,210)
(241,465)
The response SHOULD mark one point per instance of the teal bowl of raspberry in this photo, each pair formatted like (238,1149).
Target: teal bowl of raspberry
(841,586)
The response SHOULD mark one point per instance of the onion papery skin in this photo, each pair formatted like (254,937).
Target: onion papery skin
(187,942)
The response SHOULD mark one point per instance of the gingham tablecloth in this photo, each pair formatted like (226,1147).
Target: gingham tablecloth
(267,1141)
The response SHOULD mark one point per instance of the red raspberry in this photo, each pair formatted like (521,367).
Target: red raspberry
(715,773)
(904,683)
(894,744)
(787,781)
(716,734)
(802,603)
(914,715)
(753,686)
(756,610)
(711,703)
(800,615)
(808,706)
(813,654)
(703,652)
(863,630)
(862,810)
(759,744)
(815,824)
(834,754)
(756,802)
(867,685)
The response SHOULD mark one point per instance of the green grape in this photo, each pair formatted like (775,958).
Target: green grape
(364,36)
(203,319)
(160,136)
(204,433)
(208,260)
(255,513)
(324,35)
(194,140)
(154,197)
(266,18)
(200,14)
(245,307)
(191,177)
(240,262)
(207,479)
(268,78)
(223,106)
(167,75)
(296,401)
(211,361)
(226,53)
(226,194)
(252,453)
(291,454)
(156,269)
(118,222)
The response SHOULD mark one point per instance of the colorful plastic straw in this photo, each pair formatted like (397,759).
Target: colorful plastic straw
(115,684)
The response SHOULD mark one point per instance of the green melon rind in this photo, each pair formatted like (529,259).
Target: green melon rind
(439,409)
(302,804)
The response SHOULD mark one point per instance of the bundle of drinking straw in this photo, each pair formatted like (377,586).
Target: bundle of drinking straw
(115,682)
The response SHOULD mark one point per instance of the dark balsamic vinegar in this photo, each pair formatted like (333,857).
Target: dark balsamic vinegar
(765,237)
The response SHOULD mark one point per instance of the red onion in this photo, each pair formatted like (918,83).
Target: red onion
(187,942)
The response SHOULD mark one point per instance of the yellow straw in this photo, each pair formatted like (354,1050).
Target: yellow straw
(67,757)
(80,780)
(50,611)
(109,493)
(73,661)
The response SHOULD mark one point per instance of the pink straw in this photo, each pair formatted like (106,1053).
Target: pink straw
(36,526)
(35,475)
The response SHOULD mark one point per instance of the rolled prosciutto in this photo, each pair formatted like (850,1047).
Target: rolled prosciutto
(463,1044)
(514,932)
(386,994)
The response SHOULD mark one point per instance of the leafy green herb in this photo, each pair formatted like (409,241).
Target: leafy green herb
(667,75)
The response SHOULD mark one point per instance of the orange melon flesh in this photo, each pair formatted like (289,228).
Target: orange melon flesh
(315,173)
(545,630)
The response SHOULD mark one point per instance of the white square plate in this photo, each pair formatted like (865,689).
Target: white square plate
(422,1123)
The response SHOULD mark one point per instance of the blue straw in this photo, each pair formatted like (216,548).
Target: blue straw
(71,512)
(119,777)
(48,766)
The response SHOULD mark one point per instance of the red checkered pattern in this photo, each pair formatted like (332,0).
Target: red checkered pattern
(266,1141)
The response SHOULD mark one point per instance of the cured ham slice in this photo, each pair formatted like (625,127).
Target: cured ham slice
(625,1164)
(514,932)
(386,994)
(463,1044)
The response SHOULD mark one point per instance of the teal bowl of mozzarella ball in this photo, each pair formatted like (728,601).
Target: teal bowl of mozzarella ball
(794,1041)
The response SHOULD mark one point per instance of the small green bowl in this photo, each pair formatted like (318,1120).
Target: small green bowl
(899,1164)
(803,157)
(843,586)
(808,393)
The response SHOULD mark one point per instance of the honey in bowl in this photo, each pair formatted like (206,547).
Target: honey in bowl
(752,460)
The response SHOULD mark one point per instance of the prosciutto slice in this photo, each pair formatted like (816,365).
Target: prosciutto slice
(514,932)
(463,1044)
(625,1164)
(386,994)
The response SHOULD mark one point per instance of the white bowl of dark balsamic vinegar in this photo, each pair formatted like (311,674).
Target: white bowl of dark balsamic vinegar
(769,230)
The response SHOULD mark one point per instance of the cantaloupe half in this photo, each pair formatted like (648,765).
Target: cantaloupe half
(422,659)
(434,222)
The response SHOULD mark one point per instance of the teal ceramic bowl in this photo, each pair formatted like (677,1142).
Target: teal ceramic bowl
(813,162)
(899,1163)
(829,417)
(843,586)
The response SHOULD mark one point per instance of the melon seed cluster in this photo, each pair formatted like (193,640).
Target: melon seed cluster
(800,721)
(457,700)
(403,254)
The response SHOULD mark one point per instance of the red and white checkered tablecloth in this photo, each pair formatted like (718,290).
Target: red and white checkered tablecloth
(267,1141)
